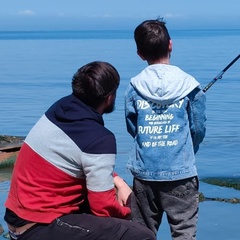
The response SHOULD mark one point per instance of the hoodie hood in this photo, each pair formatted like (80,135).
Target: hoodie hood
(71,109)
(163,84)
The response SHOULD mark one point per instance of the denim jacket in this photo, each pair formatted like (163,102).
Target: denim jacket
(165,114)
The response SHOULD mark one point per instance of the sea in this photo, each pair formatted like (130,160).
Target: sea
(36,69)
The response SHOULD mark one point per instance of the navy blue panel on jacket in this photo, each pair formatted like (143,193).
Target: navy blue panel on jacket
(83,125)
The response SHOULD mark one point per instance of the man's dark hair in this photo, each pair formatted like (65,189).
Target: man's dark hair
(152,39)
(95,81)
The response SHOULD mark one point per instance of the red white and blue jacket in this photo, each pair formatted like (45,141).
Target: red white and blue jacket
(68,157)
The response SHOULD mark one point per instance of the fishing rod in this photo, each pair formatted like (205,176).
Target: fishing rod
(219,76)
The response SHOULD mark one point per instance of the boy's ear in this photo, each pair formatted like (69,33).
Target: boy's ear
(140,55)
(170,46)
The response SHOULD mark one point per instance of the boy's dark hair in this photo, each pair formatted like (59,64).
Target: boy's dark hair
(152,39)
(95,81)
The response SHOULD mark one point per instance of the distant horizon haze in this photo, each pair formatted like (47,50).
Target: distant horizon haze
(71,24)
(28,15)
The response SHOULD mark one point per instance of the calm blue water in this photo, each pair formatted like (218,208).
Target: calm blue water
(36,69)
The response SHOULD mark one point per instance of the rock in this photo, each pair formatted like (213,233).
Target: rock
(10,142)
(7,236)
(1,229)
(230,182)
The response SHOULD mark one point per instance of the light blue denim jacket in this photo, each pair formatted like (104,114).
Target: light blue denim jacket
(165,114)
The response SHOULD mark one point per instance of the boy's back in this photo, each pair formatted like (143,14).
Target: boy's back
(165,114)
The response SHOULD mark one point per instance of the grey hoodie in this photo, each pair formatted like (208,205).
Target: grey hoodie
(164,84)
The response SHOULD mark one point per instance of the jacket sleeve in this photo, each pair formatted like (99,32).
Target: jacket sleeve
(130,112)
(197,116)
(105,204)
(98,169)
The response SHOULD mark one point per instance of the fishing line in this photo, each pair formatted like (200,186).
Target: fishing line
(219,76)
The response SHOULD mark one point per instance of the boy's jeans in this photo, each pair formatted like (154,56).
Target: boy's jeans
(179,199)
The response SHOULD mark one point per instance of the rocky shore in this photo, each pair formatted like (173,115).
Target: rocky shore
(9,149)
(10,143)
(10,146)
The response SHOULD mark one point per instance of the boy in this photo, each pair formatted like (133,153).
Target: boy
(165,114)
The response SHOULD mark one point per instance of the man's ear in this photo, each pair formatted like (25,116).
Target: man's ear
(108,101)
(111,98)
(140,55)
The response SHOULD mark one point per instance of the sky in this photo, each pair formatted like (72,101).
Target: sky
(28,15)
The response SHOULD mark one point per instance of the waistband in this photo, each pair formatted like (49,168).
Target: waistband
(16,232)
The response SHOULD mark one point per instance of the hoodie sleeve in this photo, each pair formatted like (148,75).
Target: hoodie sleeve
(130,111)
(98,169)
(197,116)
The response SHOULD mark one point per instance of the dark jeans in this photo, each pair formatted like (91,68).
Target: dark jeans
(178,199)
(88,227)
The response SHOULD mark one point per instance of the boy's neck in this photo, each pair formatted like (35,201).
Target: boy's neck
(160,61)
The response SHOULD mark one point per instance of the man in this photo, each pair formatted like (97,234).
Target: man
(63,181)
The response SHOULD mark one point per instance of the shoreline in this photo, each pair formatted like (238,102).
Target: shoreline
(11,145)
(9,149)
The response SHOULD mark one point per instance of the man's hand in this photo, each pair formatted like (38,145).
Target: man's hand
(123,191)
